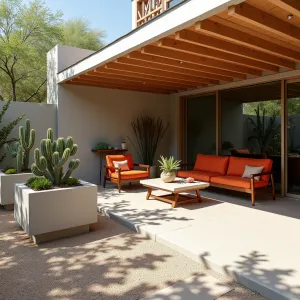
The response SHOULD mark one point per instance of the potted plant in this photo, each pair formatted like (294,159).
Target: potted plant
(168,166)
(20,151)
(148,133)
(55,205)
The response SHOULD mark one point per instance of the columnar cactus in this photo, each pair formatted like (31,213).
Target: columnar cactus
(27,139)
(20,150)
(54,155)
(17,152)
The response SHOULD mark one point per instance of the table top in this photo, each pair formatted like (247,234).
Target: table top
(179,185)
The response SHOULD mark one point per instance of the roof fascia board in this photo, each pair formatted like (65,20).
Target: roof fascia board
(180,17)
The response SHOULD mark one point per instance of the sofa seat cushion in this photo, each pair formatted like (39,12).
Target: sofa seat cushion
(212,164)
(237,166)
(132,174)
(238,182)
(197,175)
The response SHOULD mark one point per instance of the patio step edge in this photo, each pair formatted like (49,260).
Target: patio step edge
(239,277)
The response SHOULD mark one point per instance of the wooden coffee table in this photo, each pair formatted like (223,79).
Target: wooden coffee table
(174,188)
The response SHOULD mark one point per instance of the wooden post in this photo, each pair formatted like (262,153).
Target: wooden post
(218,124)
(284,125)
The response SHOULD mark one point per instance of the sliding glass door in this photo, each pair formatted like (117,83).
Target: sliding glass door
(293,137)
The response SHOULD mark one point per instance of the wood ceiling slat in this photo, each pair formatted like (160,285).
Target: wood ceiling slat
(177,55)
(157,67)
(103,71)
(230,34)
(228,47)
(115,86)
(219,55)
(217,73)
(121,75)
(292,7)
(163,74)
(124,81)
(265,21)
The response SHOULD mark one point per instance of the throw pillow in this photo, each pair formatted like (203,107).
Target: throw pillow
(123,165)
(252,170)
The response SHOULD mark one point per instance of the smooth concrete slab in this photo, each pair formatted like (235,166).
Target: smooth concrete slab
(257,246)
(201,287)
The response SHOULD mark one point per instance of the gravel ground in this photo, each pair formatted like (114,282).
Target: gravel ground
(110,263)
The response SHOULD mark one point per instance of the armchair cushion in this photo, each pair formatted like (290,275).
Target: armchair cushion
(111,158)
(123,165)
(132,174)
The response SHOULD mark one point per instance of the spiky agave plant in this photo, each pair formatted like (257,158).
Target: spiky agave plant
(168,165)
(148,133)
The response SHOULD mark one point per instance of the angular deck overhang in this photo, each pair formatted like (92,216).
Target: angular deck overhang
(199,45)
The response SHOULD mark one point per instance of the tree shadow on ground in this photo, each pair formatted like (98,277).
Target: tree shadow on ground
(250,268)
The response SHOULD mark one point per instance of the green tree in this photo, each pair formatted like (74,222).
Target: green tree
(77,33)
(27,32)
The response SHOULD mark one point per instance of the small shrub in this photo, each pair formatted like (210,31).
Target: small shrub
(72,182)
(39,183)
(11,171)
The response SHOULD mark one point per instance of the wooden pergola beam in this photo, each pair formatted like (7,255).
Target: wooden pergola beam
(117,86)
(158,67)
(233,35)
(253,16)
(121,75)
(163,74)
(128,82)
(102,71)
(198,50)
(229,47)
(195,59)
(292,7)
(215,73)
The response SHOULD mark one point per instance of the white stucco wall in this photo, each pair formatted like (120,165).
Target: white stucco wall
(42,117)
(91,114)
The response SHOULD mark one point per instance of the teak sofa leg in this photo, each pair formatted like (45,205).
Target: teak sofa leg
(273,187)
(119,187)
(104,182)
(252,192)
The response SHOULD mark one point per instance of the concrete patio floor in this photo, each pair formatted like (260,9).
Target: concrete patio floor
(257,246)
(109,263)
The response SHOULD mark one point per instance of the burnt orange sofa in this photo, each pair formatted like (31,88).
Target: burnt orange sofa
(226,172)
(116,175)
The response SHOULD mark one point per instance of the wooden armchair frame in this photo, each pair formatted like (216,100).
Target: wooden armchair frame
(118,180)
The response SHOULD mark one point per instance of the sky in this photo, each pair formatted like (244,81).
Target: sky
(112,16)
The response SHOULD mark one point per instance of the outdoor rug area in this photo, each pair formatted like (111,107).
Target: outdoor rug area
(109,263)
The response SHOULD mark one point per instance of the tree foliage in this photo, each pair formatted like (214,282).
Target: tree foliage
(27,32)
(77,33)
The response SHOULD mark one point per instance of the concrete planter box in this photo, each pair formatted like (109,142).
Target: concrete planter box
(7,187)
(58,213)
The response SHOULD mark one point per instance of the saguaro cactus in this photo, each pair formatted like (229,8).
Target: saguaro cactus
(54,155)
(27,139)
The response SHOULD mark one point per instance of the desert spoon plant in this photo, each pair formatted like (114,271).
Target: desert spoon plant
(21,150)
(54,155)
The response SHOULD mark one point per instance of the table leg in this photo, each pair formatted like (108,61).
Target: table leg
(148,193)
(101,166)
(175,200)
(198,196)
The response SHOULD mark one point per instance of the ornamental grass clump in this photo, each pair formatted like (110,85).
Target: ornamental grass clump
(51,158)
(168,165)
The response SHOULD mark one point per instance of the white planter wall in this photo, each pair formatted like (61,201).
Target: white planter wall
(52,211)
(7,187)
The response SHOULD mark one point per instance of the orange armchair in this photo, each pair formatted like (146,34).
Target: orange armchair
(116,175)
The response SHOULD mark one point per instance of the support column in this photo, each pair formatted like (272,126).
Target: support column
(218,124)
(284,125)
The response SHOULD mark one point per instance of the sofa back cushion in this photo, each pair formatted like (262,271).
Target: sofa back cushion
(111,158)
(237,166)
(211,163)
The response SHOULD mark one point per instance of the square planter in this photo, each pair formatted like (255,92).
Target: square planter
(57,213)
(7,187)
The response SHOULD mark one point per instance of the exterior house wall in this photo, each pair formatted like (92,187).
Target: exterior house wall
(42,117)
(91,114)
